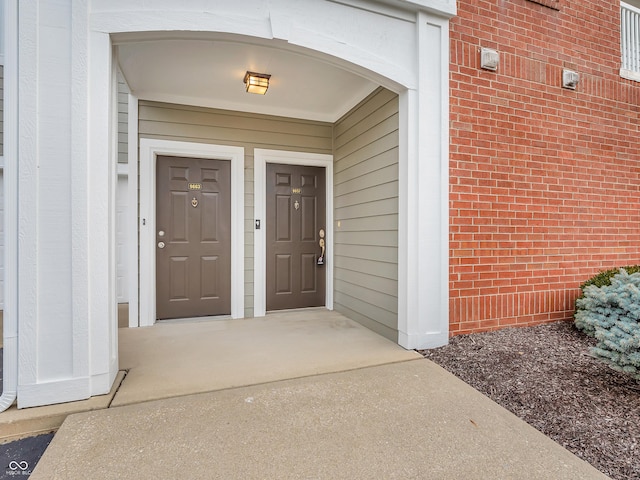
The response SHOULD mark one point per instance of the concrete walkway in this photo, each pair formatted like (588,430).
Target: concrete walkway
(306,395)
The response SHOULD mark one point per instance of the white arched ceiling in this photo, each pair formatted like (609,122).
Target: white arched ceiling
(209,70)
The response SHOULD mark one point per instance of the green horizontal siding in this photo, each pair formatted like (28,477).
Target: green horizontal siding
(123,120)
(366,213)
(223,127)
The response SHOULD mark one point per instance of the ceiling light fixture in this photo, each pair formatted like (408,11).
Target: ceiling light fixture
(256,82)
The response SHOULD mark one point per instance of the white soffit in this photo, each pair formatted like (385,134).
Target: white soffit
(210,72)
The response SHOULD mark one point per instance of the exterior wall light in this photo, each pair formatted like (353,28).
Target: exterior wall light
(489,59)
(570,79)
(256,82)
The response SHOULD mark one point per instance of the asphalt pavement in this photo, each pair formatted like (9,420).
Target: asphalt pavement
(19,458)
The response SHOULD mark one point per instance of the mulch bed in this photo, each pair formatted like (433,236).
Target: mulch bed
(545,376)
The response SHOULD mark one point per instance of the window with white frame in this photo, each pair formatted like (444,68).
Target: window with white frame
(630,39)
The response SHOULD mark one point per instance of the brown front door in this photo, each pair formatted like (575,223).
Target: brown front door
(295,217)
(193,237)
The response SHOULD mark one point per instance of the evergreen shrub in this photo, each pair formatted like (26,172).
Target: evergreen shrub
(604,278)
(600,280)
(612,313)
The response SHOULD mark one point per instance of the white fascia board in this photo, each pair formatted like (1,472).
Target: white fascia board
(445,8)
(438,7)
(157,20)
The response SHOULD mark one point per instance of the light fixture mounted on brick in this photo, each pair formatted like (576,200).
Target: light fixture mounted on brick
(570,79)
(489,59)
(256,82)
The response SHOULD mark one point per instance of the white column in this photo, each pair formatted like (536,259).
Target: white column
(52,353)
(101,163)
(423,317)
(66,297)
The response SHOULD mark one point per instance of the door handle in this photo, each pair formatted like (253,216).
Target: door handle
(321,243)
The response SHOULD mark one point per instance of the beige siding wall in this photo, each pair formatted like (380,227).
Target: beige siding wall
(221,127)
(366,213)
(123,120)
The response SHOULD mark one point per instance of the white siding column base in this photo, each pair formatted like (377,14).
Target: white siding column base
(46,393)
(422,340)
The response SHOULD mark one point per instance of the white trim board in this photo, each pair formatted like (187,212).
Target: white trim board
(260,160)
(2,231)
(149,151)
(132,213)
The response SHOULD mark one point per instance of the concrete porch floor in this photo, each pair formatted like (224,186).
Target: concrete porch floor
(306,394)
(190,356)
(184,357)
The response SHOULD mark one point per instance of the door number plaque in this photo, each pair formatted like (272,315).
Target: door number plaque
(195,186)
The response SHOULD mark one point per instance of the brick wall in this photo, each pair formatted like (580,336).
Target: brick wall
(545,181)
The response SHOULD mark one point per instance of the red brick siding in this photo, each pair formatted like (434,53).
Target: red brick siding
(545,181)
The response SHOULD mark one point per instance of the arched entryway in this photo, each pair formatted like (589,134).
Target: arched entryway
(195,79)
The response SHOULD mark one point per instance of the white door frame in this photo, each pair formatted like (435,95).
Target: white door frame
(260,160)
(149,150)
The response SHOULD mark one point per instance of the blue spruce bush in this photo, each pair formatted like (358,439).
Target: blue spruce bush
(601,279)
(612,313)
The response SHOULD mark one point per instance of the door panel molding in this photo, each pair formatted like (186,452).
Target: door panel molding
(149,150)
(260,160)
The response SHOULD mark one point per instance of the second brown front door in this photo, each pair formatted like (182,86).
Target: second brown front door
(295,224)
(193,238)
